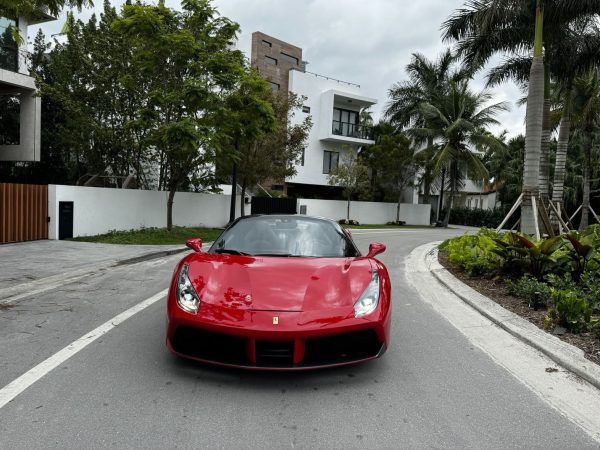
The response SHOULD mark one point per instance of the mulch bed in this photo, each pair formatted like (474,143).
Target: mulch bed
(495,290)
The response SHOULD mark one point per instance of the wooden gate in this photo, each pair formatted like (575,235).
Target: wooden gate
(23,212)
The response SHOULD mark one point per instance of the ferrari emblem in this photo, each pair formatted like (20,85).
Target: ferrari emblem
(275,320)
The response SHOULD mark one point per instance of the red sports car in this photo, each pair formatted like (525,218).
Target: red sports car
(280,292)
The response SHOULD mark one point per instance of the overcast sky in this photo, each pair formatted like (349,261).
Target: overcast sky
(369,43)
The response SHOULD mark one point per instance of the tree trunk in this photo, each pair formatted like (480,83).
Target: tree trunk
(545,146)
(564,132)
(243,199)
(233,192)
(348,208)
(453,174)
(441,202)
(585,206)
(427,184)
(398,207)
(533,138)
(170,208)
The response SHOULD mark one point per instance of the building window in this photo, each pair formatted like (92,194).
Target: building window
(271,61)
(302,157)
(274,86)
(330,161)
(345,123)
(10,120)
(306,109)
(266,43)
(8,46)
(289,58)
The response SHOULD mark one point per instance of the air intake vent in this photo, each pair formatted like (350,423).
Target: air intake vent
(274,354)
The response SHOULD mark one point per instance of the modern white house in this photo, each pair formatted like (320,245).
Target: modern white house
(333,105)
(337,133)
(20,109)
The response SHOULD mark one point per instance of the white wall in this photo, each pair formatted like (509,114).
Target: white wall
(367,212)
(99,210)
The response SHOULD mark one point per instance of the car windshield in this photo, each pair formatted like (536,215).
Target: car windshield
(291,236)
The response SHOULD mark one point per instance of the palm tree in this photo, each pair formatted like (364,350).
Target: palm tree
(506,26)
(426,79)
(586,114)
(455,124)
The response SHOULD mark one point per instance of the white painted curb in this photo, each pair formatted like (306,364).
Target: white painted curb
(564,354)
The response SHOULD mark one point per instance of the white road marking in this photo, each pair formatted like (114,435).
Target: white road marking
(574,398)
(14,388)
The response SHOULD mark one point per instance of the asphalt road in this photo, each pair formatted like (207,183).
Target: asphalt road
(432,389)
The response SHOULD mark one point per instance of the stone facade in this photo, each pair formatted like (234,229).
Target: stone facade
(273,59)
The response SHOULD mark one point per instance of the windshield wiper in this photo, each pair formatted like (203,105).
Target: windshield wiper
(231,251)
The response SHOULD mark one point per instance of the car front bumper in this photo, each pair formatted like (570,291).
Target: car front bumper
(276,340)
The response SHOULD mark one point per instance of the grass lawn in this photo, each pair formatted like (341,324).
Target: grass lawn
(153,236)
(362,227)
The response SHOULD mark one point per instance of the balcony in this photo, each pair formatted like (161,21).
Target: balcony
(351,130)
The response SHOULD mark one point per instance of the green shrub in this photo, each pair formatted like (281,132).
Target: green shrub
(587,288)
(475,217)
(521,254)
(570,311)
(473,253)
(530,289)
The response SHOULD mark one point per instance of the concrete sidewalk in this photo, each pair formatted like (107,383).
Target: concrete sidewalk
(27,266)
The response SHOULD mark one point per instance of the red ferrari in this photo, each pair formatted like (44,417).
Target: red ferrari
(280,292)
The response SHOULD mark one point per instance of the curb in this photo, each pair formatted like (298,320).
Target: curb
(564,354)
(12,294)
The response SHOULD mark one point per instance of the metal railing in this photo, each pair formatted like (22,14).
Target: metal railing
(327,78)
(353,130)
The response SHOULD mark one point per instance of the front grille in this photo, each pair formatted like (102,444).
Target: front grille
(274,354)
(342,348)
(227,349)
(210,346)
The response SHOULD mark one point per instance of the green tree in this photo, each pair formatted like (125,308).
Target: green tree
(246,120)
(456,123)
(88,77)
(30,8)
(352,175)
(426,80)
(515,27)
(505,164)
(187,65)
(586,114)
(392,163)
(275,155)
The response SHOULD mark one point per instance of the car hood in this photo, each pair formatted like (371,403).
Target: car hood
(278,283)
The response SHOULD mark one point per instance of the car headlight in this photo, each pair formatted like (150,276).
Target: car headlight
(369,299)
(187,298)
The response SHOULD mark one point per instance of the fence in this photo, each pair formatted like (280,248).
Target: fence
(99,210)
(366,212)
(23,212)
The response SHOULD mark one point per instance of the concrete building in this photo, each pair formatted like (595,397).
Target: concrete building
(334,105)
(20,109)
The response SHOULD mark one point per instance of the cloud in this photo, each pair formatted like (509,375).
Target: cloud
(368,43)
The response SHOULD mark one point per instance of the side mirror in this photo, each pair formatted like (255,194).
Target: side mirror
(375,249)
(195,244)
